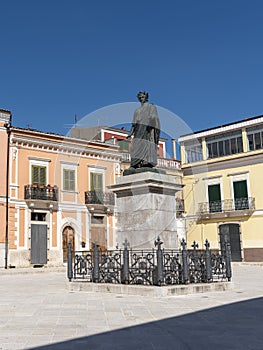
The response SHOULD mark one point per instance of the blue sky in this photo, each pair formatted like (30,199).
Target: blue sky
(202,60)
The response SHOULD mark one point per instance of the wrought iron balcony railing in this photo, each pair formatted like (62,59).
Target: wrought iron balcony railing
(38,192)
(227,205)
(99,197)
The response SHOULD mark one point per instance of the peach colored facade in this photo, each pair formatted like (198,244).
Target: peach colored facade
(56,207)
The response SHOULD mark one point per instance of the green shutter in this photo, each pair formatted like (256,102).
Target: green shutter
(214,193)
(240,195)
(240,189)
(72,180)
(214,196)
(34,175)
(38,175)
(96,182)
(68,180)
(42,176)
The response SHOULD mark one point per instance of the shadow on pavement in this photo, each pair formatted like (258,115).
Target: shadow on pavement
(233,326)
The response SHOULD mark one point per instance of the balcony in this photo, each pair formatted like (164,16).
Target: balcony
(41,197)
(227,208)
(165,163)
(99,201)
(168,163)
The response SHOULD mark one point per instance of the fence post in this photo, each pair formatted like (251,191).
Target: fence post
(126,262)
(70,271)
(208,261)
(96,271)
(228,261)
(185,262)
(160,278)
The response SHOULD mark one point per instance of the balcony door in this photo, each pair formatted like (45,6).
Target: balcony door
(214,198)
(97,187)
(240,195)
(39,175)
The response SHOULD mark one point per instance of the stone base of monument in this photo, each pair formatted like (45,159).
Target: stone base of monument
(146,209)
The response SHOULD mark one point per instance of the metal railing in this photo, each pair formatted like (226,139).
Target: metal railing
(150,267)
(227,205)
(161,162)
(168,163)
(39,192)
(99,197)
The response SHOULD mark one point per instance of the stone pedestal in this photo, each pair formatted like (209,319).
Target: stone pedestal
(146,209)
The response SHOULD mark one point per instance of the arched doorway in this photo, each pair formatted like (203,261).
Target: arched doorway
(230,233)
(67,237)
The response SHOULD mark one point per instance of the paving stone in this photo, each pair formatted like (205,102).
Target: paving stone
(38,312)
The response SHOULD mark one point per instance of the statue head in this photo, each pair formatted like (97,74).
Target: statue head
(143,96)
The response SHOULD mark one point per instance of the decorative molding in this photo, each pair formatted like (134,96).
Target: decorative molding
(65,162)
(72,149)
(238,173)
(39,159)
(97,167)
(212,177)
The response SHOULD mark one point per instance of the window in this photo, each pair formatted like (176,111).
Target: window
(96,182)
(240,195)
(255,138)
(219,146)
(38,216)
(193,152)
(68,180)
(214,198)
(97,220)
(38,175)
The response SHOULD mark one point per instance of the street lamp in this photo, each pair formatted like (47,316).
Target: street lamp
(7,125)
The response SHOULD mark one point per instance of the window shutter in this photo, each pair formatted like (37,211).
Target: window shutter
(72,180)
(38,175)
(34,175)
(68,180)
(240,189)
(96,182)
(42,176)
(214,193)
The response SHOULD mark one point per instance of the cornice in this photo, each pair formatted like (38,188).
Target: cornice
(64,147)
(222,129)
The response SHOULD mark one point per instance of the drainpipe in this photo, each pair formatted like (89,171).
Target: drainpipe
(7,125)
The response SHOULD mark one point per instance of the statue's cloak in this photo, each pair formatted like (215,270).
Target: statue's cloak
(146,127)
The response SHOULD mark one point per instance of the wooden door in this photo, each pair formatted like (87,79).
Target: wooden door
(68,237)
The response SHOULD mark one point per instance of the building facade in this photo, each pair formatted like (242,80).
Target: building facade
(57,195)
(58,192)
(222,173)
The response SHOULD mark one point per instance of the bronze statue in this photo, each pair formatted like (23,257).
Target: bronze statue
(146,132)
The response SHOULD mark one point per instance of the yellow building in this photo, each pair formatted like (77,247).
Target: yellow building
(222,176)
(57,194)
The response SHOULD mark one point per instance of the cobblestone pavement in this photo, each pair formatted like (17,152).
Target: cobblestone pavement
(37,311)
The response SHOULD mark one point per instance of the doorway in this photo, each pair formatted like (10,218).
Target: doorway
(230,233)
(38,244)
(68,236)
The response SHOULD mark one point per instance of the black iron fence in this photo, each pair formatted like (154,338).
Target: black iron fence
(150,267)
